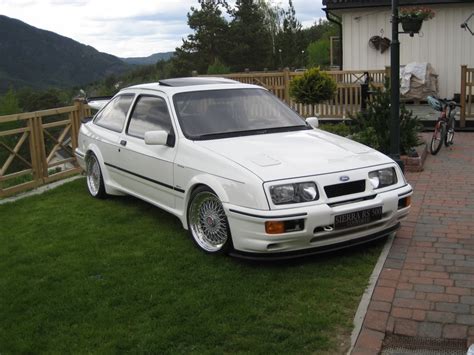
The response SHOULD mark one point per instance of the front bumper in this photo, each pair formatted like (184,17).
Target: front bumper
(251,240)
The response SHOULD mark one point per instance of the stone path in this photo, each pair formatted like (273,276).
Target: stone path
(426,287)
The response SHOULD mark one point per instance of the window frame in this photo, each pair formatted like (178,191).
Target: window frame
(135,103)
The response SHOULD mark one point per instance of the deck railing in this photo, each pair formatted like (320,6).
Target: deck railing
(38,147)
(346,102)
(467,94)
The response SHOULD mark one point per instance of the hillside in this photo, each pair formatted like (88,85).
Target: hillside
(152,59)
(40,59)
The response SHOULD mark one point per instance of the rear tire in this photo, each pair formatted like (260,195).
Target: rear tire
(439,136)
(95,180)
(207,222)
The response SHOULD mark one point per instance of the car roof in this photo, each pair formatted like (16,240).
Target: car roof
(175,85)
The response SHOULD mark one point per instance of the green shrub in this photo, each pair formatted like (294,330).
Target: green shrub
(341,129)
(372,127)
(218,68)
(312,87)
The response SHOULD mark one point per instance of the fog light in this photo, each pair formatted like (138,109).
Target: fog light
(278,227)
(274,227)
(404,202)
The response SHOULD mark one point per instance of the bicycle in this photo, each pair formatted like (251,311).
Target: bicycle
(444,128)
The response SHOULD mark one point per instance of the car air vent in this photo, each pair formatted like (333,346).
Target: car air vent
(346,188)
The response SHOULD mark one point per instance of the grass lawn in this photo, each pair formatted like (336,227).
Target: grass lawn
(84,275)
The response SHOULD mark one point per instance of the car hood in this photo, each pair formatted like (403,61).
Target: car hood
(293,154)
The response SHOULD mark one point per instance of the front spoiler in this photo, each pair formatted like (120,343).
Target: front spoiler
(314,251)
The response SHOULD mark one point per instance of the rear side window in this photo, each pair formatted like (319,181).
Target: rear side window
(114,114)
(149,114)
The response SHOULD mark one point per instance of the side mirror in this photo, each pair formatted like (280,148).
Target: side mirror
(313,122)
(156,138)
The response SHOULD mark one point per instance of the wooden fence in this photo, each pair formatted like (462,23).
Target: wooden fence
(346,102)
(467,94)
(38,147)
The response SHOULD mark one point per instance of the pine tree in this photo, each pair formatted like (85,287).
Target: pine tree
(290,39)
(251,40)
(209,40)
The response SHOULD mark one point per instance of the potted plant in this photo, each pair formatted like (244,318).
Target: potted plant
(412,18)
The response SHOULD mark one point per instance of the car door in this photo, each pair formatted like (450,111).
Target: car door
(109,124)
(149,168)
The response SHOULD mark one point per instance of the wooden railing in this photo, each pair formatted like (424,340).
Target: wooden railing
(38,147)
(346,102)
(467,94)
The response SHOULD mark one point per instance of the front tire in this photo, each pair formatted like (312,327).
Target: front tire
(450,133)
(207,222)
(438,138)
(95,180)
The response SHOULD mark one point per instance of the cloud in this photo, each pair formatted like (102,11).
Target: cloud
(124,28)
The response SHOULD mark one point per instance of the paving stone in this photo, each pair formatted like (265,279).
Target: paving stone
(405,294)
(370,340)
(454,331)
(376,320)
(430,330)
(452,307)
(406,327)
(440,317)
(380,306)
(458,291)
(383,294)
(429,288)
(467,319)
(412,304)
(467,300)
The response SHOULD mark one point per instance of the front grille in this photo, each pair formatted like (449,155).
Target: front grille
(346,188)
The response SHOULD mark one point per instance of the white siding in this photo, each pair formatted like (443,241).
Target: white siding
(441,42)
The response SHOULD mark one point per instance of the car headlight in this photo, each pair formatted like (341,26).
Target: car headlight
(383,178)
(294,193)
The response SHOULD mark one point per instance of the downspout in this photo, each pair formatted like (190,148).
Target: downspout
(338,21)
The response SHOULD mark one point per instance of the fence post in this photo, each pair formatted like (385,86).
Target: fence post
(35,159)
(286,81)
(463,95)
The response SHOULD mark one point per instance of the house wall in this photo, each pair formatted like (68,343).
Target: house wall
(441,42)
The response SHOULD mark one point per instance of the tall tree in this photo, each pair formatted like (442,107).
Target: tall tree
(251,39)
(208,42)
(290,39)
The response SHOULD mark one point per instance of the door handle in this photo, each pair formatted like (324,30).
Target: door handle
(123,142)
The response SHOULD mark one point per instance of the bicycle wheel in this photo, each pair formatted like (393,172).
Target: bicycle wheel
(450,133)
(439,135)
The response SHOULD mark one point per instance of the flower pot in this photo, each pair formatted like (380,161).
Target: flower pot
(411,25)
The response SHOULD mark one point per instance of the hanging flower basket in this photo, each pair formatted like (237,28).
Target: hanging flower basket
(412,18)
(411,25)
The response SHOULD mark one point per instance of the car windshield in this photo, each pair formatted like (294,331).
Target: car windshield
(225,113)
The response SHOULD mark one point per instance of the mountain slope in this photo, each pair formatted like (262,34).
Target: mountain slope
(152,59)
(40,59)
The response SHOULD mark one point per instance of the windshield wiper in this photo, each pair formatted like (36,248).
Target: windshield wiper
(249,132)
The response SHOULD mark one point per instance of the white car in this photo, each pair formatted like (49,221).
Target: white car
(241,170)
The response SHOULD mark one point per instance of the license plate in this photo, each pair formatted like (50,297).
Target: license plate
(357,218)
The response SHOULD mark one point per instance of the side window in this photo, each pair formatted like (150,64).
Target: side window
(149,114)
(114,114)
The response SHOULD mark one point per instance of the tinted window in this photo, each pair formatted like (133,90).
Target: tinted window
(149,114)
(114,114)
(232,112)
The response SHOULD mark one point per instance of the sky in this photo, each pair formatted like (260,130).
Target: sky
(125,28)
